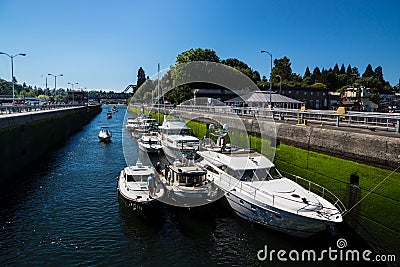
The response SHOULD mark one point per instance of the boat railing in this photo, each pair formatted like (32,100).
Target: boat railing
(254,192)
(317,189)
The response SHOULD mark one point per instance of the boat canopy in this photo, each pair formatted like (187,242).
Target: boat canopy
(238,161)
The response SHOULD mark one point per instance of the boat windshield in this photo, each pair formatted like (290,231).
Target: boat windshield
(249,175)
(273,173)
(130,178)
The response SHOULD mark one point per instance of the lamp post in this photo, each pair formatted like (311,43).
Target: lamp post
(72,85)
(270,78)
(12,69)
(55,82)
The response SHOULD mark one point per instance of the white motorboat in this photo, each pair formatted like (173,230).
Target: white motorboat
(109,114)
(188,184)
(149,143)
(132,123)
(256,191)
(142,121)
(105,134)
(176,139)
(132,186)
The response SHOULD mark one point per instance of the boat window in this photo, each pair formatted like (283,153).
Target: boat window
(274,173)
(260,175)
(191,180)
(185,131)
(129,178)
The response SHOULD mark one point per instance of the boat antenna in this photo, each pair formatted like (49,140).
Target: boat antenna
(158,93)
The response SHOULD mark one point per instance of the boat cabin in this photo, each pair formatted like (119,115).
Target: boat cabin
(187,175)
(137,173)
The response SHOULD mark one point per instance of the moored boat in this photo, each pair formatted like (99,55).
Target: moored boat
(256,191)
(188,185)
(133,186)
(149,143)
(176,139)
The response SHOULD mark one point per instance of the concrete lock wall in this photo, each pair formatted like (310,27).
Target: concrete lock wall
(25,139)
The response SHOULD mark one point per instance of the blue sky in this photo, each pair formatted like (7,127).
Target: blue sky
(101,44)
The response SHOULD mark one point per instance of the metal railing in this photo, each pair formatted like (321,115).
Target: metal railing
(10,108)
(367,120)
(317,189)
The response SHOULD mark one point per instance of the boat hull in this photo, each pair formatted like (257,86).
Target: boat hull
(274,218)
(150,149)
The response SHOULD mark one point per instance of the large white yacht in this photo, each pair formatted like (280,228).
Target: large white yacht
(256,191)
(176,139)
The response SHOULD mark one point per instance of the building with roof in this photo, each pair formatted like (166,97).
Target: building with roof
(262,99)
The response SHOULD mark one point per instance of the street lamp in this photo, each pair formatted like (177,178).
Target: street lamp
(12,68)
(55,82)
(72,85)
(270,78)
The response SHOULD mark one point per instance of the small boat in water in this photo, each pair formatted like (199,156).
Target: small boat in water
(114,109)
(133,186)
(256,191)
(105,134)
(109,115)
(149,143)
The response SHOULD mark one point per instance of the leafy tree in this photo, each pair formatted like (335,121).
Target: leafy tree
(283,68)
(374,98)
(179,94)
(198,54)
(243,67)
(141,77)
(368,72)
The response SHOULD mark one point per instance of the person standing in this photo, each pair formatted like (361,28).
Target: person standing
(151,184)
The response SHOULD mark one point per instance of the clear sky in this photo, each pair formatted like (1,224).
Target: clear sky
(101,44)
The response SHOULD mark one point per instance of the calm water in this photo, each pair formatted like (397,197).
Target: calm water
(67,213)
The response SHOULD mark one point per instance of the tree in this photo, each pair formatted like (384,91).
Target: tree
(283,68)
(307,73)
(336,69)
(141,77)
(316,75)
(197,54)
(242,67)
(379,74)
(349,71)
(368,72)
(342,70)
